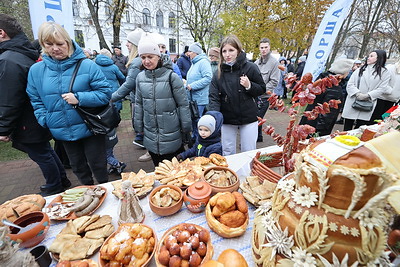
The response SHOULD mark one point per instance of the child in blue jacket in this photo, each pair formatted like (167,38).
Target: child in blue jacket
(209,139)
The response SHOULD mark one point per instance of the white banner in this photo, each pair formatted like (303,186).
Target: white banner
(325,37)
(59,11)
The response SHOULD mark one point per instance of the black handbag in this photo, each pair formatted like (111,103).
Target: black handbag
(194,109)
(99,120)
(363,105)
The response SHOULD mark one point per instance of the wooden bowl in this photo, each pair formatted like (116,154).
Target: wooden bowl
(37,224)
(180,227)
(103,262)
(222,229)
(166,211)
(217,189)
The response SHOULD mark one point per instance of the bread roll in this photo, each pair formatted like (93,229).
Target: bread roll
(232,258)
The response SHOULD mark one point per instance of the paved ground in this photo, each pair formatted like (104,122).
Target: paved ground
(21,177)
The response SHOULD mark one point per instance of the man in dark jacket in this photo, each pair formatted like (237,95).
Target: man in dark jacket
(184,62)
(120,60)
(17,121)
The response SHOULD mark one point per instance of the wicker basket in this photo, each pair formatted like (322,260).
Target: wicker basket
(262,168)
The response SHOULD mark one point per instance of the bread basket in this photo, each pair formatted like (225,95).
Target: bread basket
(222,229)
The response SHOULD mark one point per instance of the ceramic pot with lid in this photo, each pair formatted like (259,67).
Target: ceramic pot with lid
(197,196)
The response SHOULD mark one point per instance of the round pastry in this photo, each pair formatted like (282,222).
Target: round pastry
(232,258)
(21,205)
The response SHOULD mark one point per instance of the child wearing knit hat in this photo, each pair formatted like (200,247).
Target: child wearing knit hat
(208,140)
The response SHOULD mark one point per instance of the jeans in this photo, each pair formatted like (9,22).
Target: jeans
(111,158)
(88,158)
(248,137)
(195,132)
(263,105)
(47,159)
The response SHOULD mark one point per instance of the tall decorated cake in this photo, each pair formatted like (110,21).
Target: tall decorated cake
(333,209)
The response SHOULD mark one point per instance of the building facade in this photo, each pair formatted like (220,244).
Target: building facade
(151,16)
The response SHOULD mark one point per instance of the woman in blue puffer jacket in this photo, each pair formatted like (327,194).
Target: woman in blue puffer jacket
(113,75)
(48,84)
(198,81)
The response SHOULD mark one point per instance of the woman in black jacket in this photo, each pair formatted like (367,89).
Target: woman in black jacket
(232,92)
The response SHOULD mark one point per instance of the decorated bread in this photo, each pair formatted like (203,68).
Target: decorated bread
(332,208)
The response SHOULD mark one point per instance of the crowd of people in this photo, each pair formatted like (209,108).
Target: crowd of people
(204,99)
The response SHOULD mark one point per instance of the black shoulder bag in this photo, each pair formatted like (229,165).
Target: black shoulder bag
(362,105)
(99,120)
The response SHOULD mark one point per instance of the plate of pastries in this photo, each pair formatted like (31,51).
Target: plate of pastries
(227,214)
(187,172)
(81,237)
(133,244)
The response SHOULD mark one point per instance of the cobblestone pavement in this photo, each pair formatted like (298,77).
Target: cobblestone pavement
(20,177)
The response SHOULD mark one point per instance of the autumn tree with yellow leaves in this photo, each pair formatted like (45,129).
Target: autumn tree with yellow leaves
(289,24)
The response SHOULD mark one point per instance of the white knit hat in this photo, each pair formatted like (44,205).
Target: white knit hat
(341,66)
(303,58)
(207,121)
(158,38)
(134,36)
(148,46)
(196,48)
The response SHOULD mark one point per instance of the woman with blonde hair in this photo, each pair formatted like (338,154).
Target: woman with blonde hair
(233,92)
(48,89)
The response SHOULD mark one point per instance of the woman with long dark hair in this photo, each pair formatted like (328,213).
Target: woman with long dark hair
(233,92)
(368,83)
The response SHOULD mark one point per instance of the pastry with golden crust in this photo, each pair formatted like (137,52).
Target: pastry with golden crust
(223,216)
(218,160)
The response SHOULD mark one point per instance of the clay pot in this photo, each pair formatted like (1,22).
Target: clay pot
(217,189)
(37,224)
(166,211)
(197,196)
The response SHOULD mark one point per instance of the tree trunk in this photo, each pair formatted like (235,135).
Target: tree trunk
(94,12)
(119,7)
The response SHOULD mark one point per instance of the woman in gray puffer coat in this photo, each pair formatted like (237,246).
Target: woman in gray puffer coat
(161,107)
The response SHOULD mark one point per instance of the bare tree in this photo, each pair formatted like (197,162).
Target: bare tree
(368,15)
(201,17)
(390,29)
(115,10)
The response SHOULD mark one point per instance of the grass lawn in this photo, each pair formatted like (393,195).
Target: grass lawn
(7,152)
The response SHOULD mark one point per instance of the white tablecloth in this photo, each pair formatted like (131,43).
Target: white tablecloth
(240,163)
